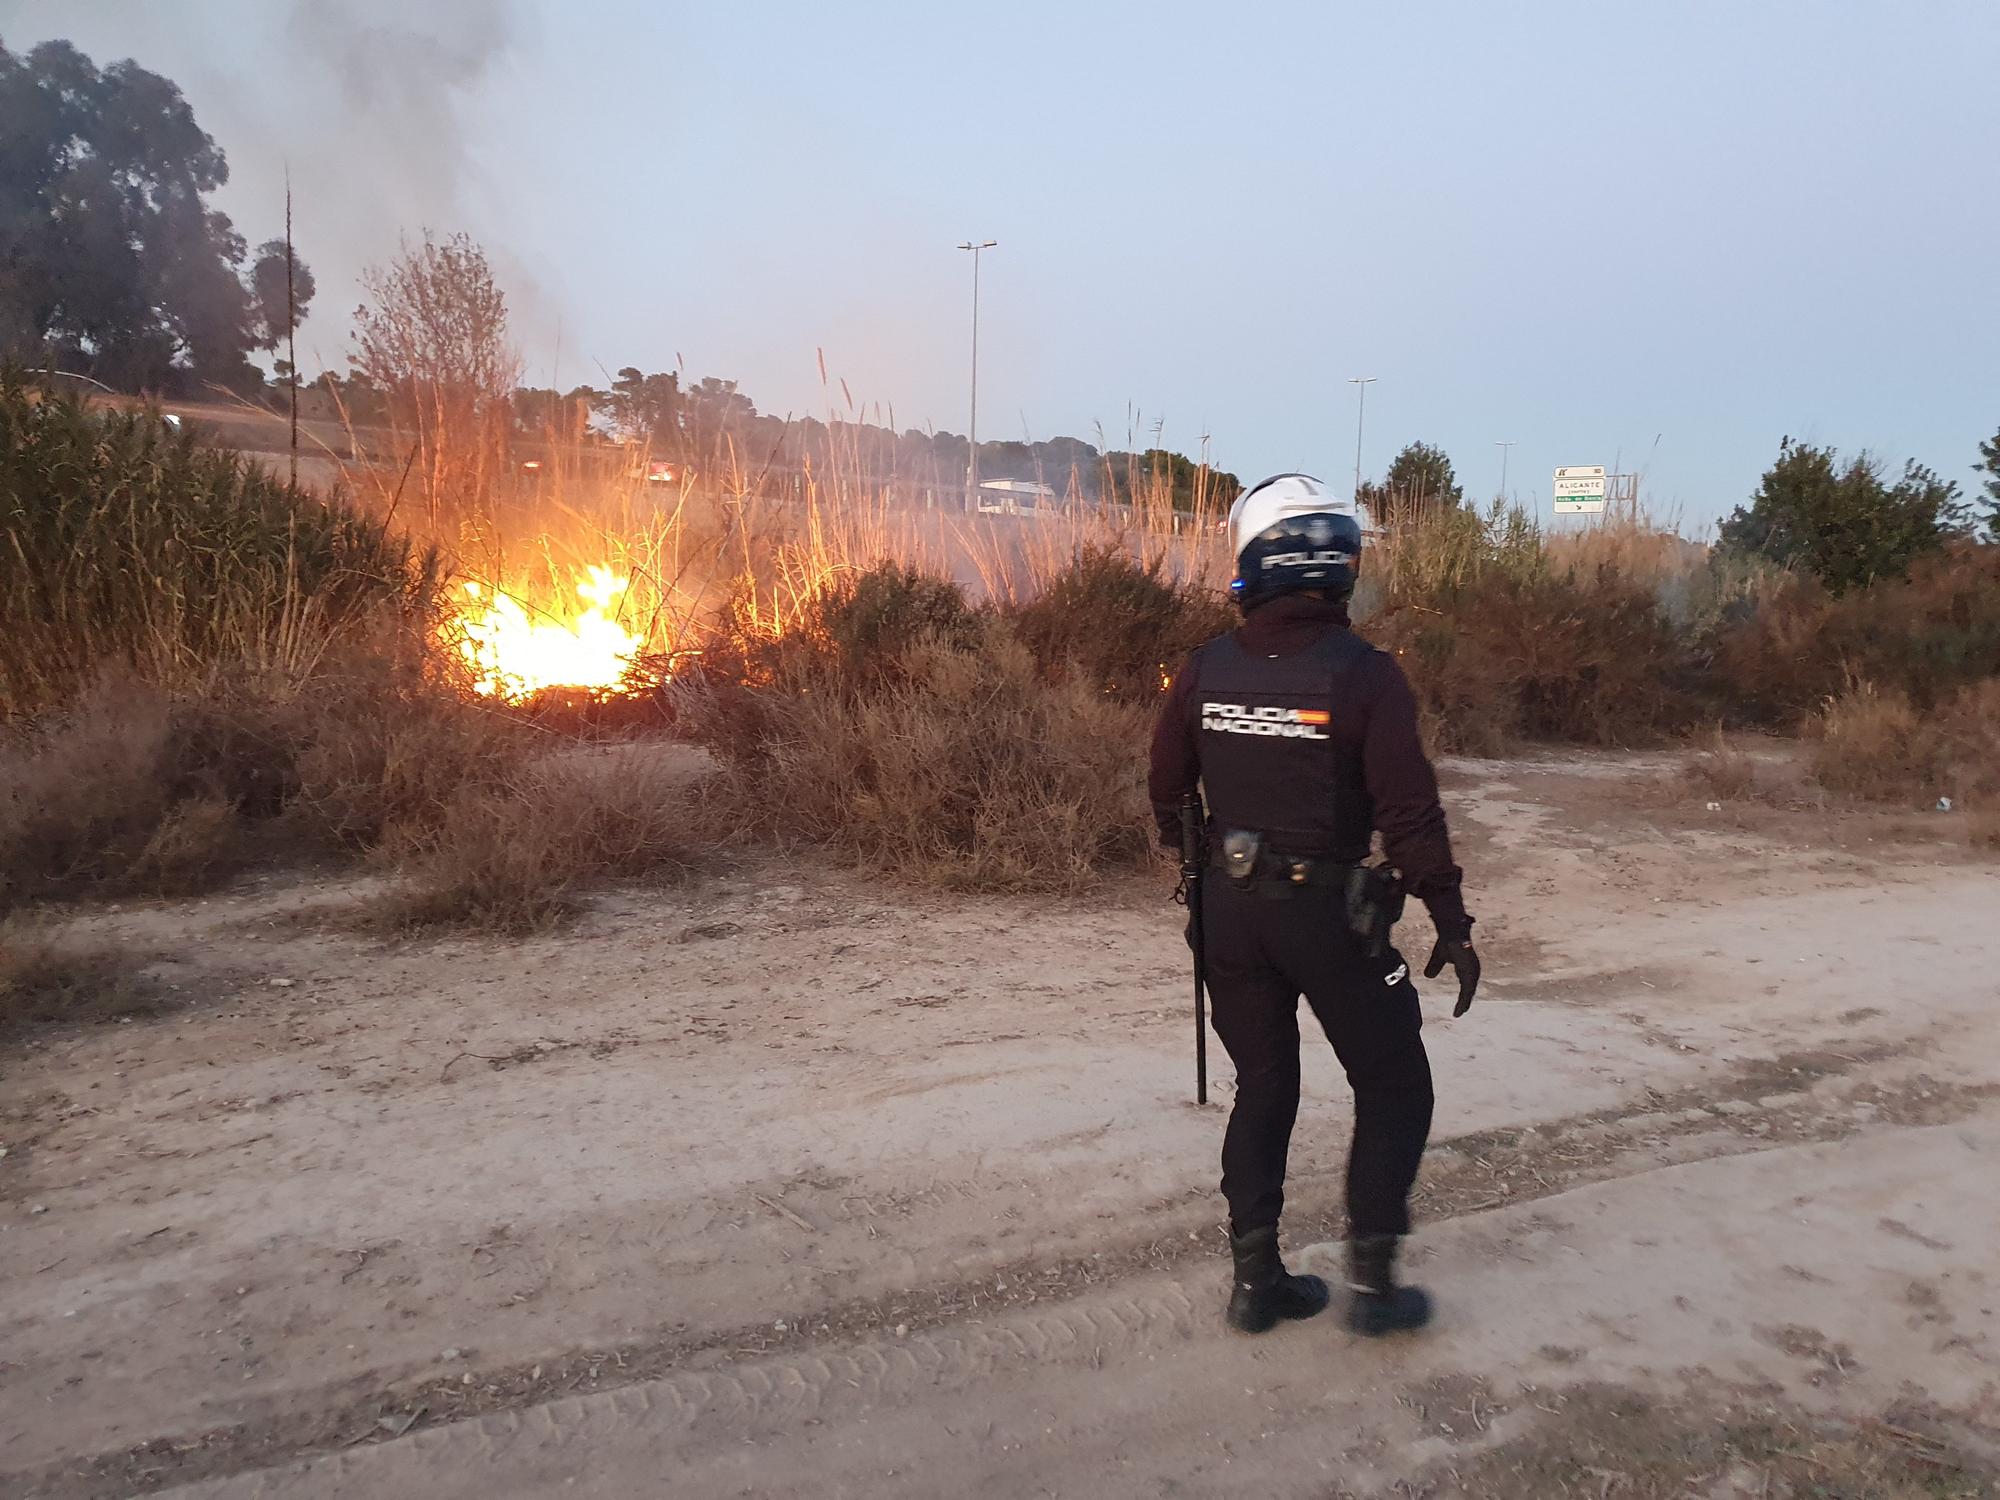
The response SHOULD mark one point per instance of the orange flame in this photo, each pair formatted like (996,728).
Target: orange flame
(515,655)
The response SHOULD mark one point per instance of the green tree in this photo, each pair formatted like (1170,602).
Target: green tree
(355,401)
(645,408)
(1841,522)
(544,412)
(111,262)
(1419,477)
(1186,484)
(1989,465)
(716,412)
(275,310)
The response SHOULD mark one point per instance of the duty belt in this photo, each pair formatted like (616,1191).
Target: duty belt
(1244,859)
(1372,895)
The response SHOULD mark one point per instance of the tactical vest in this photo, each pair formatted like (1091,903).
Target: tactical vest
(1280,754)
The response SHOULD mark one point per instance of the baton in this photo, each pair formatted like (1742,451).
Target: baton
(1191,868)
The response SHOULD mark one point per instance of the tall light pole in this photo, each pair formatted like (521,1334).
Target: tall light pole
(972,422)
(1503,447)
(1364,381)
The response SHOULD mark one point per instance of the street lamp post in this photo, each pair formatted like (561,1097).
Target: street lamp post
(1503,447)
(972,421)
(1364,381)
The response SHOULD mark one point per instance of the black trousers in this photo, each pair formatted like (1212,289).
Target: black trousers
(1263,953)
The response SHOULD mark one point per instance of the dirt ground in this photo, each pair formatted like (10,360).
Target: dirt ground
(796,1185)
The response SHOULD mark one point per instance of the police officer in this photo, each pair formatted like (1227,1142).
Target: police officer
(1304,739)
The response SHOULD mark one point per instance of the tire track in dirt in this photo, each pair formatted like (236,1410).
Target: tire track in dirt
(1800,1097)
(780,1424)
(783,1390)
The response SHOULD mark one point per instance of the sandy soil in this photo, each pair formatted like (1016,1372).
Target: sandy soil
(797,1185)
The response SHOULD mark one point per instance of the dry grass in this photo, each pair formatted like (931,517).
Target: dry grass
(1873,744)
(963,767)
(491,823)
(47,975)
(137,788)
(109,798)
(1781,646)
(513,854)
(1599,1440)
(1870,744)
(1723,772)
(957,698)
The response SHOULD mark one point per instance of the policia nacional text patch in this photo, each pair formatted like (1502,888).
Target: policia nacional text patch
(1274,723)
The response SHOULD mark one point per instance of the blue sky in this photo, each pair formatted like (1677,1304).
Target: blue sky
(1669,233)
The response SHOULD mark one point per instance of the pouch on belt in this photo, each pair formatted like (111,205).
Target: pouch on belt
(1374,906)
(1241,851)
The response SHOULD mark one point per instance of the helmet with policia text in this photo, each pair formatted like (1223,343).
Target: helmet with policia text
(1288,534)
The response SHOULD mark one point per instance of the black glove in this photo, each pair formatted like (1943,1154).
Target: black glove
(1464,961)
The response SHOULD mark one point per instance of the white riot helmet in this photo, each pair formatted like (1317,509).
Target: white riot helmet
(1288,534)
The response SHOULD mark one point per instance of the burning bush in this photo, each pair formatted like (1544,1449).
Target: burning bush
(203,668)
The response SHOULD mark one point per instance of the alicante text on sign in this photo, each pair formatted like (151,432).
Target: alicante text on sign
(1579,490)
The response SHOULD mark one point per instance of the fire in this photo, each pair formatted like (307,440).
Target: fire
(515,654)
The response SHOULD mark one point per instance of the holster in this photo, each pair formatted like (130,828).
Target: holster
(1374,906)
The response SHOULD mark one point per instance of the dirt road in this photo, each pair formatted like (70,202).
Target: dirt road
(799,1186)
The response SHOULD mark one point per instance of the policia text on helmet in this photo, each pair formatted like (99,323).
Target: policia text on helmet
(1303,739)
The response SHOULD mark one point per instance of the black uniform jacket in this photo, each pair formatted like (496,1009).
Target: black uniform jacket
(1382,714)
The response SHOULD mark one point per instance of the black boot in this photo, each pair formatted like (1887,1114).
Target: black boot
(1377,1305)
(1265,1291)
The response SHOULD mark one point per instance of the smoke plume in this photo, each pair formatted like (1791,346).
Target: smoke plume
(374,108)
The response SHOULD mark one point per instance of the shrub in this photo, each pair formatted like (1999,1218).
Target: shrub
(121,541)
(1791,645)
(868,620)
(1768,660)
(1723,773)
(378,744)
(852,628)
(139,788)
(966,768)
(1118,623)
(512,853)
(117,794)
(1502,642)
(1872,743)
